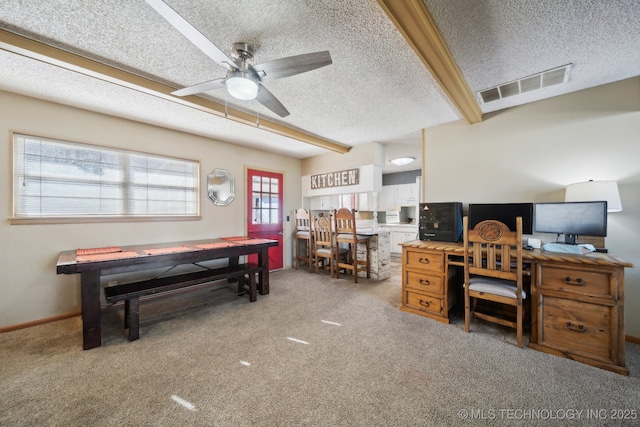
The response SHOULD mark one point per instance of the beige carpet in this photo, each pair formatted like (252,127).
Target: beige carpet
(315,352)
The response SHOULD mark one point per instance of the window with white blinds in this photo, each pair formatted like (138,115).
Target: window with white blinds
(61,179)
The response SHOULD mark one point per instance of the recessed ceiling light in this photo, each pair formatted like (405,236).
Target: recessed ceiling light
(402,161)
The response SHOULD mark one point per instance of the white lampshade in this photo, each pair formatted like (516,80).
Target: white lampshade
(595,191)
(402,161)
(241,86)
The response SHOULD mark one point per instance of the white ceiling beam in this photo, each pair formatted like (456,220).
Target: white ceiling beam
(41,52)
(416,25)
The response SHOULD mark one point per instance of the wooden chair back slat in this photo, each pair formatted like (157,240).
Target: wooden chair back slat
(303,220)
(323,232)
(324,243)
(494,251)
(345,227)
(345,221)
(489,246)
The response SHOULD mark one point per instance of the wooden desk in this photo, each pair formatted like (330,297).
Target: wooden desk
(144,257)
(577,301)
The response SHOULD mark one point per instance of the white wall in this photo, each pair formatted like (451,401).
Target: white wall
(29,287)
(369,180)
(368,157)
(371,153)
(530,153)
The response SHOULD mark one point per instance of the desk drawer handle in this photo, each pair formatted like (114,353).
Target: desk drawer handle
(576,328)
(577,282)
(424,303)
(424,282)
(424,260)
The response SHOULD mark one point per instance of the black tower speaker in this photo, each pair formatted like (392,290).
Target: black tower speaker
(440,221)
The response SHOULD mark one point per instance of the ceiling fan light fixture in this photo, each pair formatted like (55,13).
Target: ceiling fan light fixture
(402,161)
(242,86)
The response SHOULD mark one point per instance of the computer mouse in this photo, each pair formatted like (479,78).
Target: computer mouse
(529,247)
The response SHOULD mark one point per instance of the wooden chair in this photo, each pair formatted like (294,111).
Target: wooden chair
(493,272)
(304,236)
(324,245)
(345,226)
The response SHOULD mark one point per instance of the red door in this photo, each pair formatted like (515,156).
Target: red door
(264,212)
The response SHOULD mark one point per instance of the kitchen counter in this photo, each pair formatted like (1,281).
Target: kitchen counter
(379,253)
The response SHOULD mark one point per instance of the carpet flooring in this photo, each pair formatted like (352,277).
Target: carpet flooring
(316,351)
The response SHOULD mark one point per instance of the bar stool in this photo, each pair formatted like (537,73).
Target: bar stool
(325,249)
(345,226)
(304,236)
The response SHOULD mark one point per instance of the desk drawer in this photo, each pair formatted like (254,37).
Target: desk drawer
(427,261)
(578,327)
(421,302)
(578,281)
(425,282)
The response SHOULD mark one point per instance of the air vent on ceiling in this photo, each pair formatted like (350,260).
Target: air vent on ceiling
(526,84)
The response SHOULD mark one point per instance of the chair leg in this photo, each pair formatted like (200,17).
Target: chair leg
(319,264)
(309,254)
(337,249)
(519,326)
(354,260)
(467,311)
(332,265)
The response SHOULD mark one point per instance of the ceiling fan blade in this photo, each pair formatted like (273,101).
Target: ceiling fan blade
(192,34)
(201,87)
(292,65)
(267,99)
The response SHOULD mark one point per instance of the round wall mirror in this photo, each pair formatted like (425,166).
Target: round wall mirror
(221,187)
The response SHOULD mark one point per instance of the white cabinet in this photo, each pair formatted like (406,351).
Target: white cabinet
(315,204)
(401,234)
(336,201)
(407,194)
(325,203)
(365,202)
(393,196)
(387,201)
(347,201)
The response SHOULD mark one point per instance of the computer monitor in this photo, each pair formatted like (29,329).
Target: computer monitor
(503,212)
(572,219)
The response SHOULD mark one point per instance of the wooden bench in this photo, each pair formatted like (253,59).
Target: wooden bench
(130,293)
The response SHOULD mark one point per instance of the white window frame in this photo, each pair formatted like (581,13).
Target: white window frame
(107,185)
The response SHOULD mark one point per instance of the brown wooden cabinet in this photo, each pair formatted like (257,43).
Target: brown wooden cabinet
(426,288)
(577,312)
(577,301)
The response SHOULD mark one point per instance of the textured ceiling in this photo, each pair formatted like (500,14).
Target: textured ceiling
(499,41)
(377,89)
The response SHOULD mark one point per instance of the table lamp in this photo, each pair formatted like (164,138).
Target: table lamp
(595,191)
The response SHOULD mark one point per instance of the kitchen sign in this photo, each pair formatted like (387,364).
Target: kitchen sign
(335,179)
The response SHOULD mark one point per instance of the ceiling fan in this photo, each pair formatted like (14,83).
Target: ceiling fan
(243,80)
